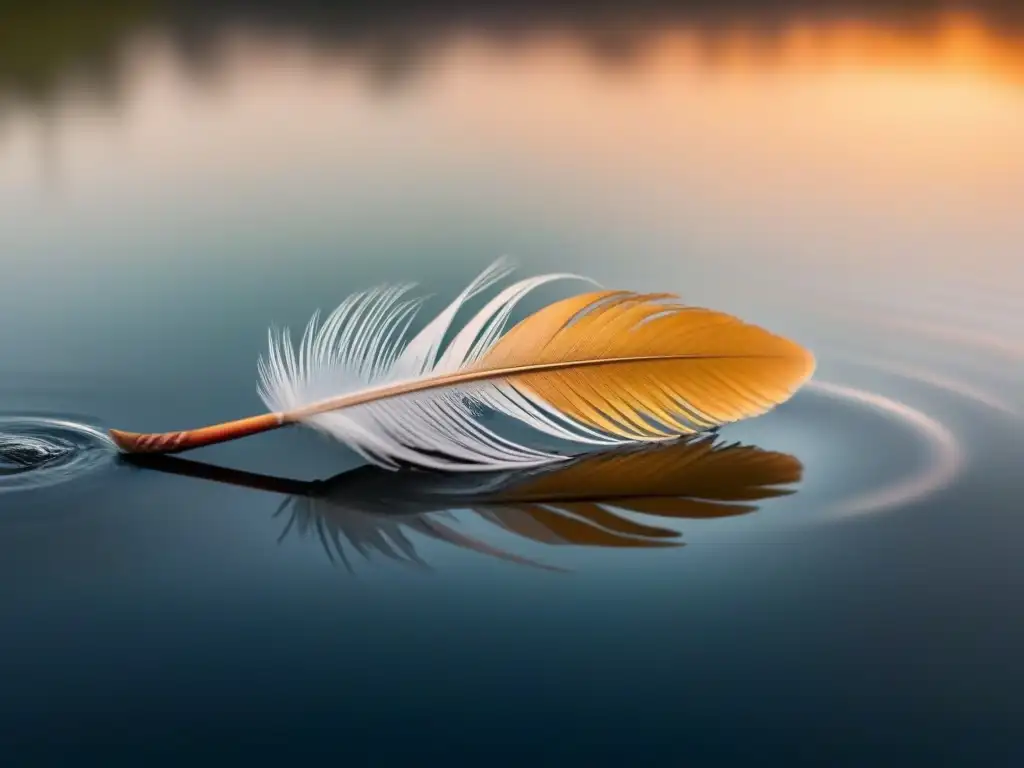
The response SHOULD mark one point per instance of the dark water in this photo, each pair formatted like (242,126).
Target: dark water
(170,187)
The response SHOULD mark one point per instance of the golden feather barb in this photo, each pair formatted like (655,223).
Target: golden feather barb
(638,367)
(614,365)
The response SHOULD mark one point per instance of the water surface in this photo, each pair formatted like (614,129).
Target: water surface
(851,180)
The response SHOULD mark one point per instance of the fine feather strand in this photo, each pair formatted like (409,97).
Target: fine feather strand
(361,346)
(601,368)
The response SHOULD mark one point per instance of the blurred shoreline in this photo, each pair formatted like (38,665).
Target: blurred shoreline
(45,45)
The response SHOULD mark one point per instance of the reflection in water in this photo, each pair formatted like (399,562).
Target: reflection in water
(42,44)
(585,502)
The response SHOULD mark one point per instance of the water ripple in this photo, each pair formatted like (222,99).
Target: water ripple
(948,383)
(36,452)
(944,466)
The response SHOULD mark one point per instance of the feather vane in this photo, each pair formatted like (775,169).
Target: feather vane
(601,368)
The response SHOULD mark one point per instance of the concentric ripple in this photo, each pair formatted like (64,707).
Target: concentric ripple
(945,370)
(36,452)
(946,459)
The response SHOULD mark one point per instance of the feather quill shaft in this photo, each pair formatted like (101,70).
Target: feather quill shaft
(602,368)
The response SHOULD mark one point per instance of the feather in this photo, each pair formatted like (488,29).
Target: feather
(601,368)
(591,500)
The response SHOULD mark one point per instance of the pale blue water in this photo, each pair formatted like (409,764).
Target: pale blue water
(864,200)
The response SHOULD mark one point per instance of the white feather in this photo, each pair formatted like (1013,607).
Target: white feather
(360,346)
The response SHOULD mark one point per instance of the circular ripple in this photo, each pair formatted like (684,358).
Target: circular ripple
(945,456)
(36,452)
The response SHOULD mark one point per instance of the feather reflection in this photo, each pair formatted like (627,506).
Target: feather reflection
(597,500)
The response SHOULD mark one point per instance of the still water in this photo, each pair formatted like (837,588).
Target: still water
(855,184)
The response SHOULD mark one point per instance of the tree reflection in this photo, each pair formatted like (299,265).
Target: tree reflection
(48,45)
